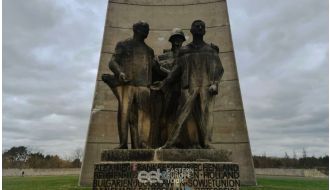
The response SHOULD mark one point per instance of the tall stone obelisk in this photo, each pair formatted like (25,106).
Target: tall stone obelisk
(230,130)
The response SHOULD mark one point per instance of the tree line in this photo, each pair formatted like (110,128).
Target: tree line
(22,157)
(304,162)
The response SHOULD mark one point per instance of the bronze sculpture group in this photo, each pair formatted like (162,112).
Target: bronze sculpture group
(165,101)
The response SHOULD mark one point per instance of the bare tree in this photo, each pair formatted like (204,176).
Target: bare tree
(286,156)
(77,157)
(78,153)
(294,155)
(304,153)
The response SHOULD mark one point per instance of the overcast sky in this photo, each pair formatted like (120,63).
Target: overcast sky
(50,58)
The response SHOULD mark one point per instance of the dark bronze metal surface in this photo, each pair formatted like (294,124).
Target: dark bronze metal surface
(178,104)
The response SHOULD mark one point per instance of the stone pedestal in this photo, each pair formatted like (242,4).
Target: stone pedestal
(186,155)
(166,169)
(230,130)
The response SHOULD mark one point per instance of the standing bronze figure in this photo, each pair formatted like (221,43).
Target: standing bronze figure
(199,68)
(164,103)
(132,63)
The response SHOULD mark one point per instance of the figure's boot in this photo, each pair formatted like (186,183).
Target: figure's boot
(166,146)
(123,134)
(122,146)
(208,146)
(134,137)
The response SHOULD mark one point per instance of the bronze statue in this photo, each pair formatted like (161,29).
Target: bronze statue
(164,103)
(132,64)
(199,68)
(185,81)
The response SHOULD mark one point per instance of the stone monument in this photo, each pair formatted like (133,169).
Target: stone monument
(228,121)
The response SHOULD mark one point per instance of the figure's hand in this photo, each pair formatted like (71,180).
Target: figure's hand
(122,77)
(158,85)
(105,77)
(213,90)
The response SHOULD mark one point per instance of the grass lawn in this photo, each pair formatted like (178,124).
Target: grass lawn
(70,182)
(41,183)
(289,183)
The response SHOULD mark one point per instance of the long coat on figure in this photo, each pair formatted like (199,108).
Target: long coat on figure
(198,67)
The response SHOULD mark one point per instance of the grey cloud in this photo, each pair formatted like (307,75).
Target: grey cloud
(282,57)
(50,58)
(51,52)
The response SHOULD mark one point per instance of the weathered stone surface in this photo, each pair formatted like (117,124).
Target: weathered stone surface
(104,99)
(227,59)
(229,126)
(214,14)
(158,40)
(165,2)
(92,156)
(104,65)
(194,155)
(185,155)
(163,15)
(103,127)
(128,155)
(166,175)
(241,154)
(229,97)
(228,63)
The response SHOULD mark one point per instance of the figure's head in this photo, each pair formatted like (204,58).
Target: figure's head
(177,38)
(141,29)
(198,28)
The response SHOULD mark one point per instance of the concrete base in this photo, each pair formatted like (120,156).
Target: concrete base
(230,130)
(166,169)
(186,155)
(166,175)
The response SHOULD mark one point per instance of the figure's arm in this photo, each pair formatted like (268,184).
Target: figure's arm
(171,78)
(218,70)
(175,74)
(114,66)
(115,60)
(158,69)
(217,73)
